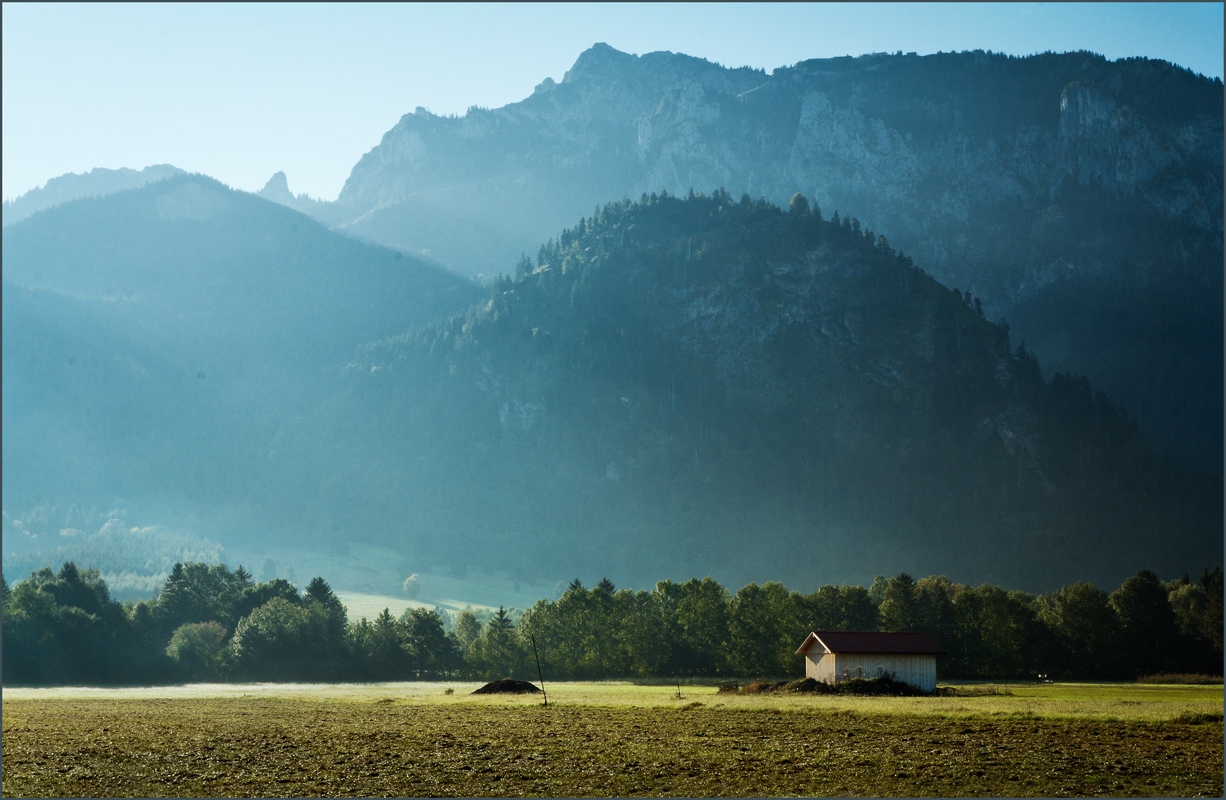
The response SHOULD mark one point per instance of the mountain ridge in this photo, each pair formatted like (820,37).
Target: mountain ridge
(823,397)
(163,344)
(1029,182)
(96,182)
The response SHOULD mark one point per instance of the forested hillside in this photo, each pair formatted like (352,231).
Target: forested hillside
(770,394)
(166,348)
(1079,198)
(74,186)
(676,385)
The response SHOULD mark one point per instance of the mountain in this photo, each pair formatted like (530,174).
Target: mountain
(277,190)
(93,183)
(682,386)
(673,387)
(1078,198)
(162,345)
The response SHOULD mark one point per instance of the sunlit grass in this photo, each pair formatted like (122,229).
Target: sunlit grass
(1049,701)
(595,739)
(359,605)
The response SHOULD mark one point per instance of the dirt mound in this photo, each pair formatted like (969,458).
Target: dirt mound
(884,686)
(804,685)
(507,686)
(809,686)
(856,686)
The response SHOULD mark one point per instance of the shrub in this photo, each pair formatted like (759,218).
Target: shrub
(198,649)
(1181,678)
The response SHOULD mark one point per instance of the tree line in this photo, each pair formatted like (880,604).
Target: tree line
(211,623)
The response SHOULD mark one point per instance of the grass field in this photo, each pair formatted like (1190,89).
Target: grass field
(376,572)
(359,605)
(600,739)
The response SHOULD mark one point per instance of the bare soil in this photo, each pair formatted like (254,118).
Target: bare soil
(507,686)
(263,747)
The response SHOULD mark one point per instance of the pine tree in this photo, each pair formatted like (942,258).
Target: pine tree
(524,268)
(319,591)
(242,577)
(900,609)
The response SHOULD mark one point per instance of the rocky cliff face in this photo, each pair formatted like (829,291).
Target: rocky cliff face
(1046,185)
(929,150)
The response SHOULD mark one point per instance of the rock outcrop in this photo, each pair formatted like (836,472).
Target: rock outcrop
(1055,187)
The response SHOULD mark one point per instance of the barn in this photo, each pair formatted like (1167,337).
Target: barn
(834,656)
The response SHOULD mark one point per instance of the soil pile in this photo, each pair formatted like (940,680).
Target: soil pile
(507,686)
(857,686)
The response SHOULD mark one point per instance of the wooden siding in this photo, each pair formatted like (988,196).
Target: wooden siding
(917,670)
(821,669)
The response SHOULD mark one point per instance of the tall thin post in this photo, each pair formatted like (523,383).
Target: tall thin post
(539,674)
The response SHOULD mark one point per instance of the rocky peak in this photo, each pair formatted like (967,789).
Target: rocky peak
(277,189)
(1022,180)
(598,62)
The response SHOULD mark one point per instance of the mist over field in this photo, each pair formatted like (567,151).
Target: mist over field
(955,314)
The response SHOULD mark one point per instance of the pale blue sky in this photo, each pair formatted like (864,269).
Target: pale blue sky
(239,91)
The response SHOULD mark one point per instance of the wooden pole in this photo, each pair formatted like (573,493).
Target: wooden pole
(539,674)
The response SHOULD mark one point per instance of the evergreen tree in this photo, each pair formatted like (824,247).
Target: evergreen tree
(497,653)
(242,577)
(900,608)
(320,592)
(524,268)
(1147,624)
(328,630)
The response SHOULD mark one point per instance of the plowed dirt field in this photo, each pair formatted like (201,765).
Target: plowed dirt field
(278,746)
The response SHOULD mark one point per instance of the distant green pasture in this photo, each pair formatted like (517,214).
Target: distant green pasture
(359,605)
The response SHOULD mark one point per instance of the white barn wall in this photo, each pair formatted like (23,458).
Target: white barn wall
(917,670)
(820,668)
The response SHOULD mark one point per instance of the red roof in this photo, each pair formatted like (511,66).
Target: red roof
(869,642)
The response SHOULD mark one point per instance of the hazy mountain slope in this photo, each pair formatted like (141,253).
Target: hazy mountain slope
(72,186)
(161,345)
(1054,187)
(955,155)
(191,246)
(704,385)
(674,388)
